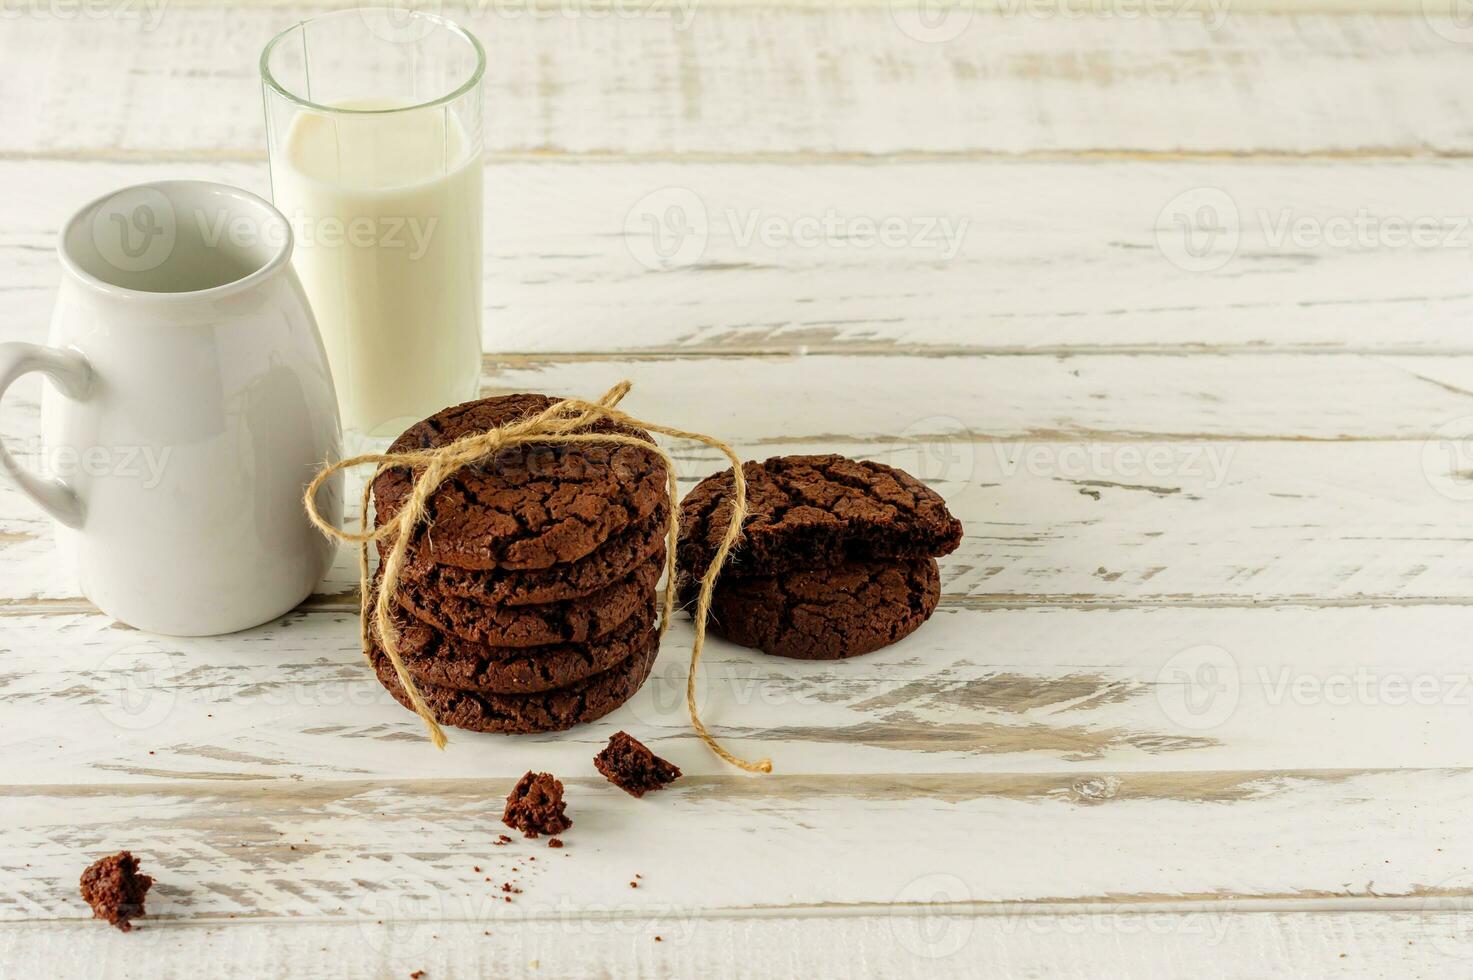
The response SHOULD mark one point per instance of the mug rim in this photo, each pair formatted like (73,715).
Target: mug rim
(272,266)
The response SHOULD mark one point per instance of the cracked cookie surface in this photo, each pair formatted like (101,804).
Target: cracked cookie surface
(434,658)
(549,711)
(824,614)
(615,559)
(806,512)
(531,506)
(574,621)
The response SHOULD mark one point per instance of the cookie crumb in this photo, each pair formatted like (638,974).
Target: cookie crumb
(632,767)
(115,889)
(535,806)
(416,975)
(555,842)
(659,940)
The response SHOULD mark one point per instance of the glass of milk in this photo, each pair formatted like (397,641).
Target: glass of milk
(373,118)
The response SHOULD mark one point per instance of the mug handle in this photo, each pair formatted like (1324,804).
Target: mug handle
(72,375)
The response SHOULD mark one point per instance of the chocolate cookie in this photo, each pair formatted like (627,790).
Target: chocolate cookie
(529,507)
(574,621)
(814,512)
(550,711)
(434,658)
(827,613)
(617,558)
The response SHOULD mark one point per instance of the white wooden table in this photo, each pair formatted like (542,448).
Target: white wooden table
(1193,367)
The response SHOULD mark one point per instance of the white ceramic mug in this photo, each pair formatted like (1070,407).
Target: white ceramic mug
(190,404)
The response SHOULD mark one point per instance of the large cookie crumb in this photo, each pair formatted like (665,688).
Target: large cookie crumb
(632,767)
(536,806)
(115,889)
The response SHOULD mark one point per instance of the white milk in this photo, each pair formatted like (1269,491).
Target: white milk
(387,212)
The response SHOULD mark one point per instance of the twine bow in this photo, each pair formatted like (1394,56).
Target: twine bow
(558,423)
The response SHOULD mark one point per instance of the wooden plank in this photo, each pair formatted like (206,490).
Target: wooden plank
(1106,397)
(1200,522)
(1073,693)
(355,850)
(1242,478)
(1153,945)
(995,257)
(677,77)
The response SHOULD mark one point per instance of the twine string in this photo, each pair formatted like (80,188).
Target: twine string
(559,423)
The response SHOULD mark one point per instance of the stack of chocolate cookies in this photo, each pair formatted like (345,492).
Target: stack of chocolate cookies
(527,602)
(837,557)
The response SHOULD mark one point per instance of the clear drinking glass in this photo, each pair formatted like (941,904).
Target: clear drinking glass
(374,125)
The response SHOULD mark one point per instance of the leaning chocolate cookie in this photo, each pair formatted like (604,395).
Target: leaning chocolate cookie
(549,711)
(815,512)
(827,613)
(528,507)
